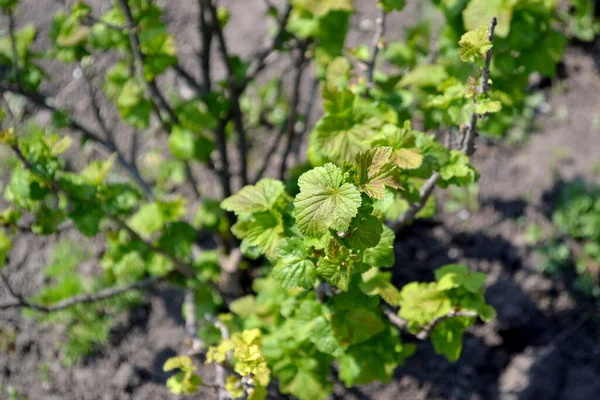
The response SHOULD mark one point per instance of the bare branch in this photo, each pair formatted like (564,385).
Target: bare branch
(260,60)
(131,167)
(191,326)
(234,93)
(424,334)
(271,152)
(375,46)
(414,208)
(206,35)
(308,110)
(471,134)
(13,45)
(293,117)
(21,302)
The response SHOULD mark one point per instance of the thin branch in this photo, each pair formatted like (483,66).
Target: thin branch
(293,117)
(134,41)
(471,134)
(22,302)
(234,93)
(131,167)
(308,110)
(13,45)
(191,326)
(45,102)
(414,208)
(468,145)
(375,46)
(260,60)
(425,333)
(271,152)
(205,28)
(223,171)
(158,101)
(183,73)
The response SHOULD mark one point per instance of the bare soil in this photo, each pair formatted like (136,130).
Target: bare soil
(539,347)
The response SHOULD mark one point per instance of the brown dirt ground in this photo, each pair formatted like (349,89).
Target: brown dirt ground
(538,348)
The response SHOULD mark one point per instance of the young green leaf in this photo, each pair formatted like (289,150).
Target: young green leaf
(293,268)
(324,201)
(253,198)
(374,171)
(474,45)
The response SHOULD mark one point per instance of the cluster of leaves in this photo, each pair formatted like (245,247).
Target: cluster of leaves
(531,37)
(576,249)
(318,243)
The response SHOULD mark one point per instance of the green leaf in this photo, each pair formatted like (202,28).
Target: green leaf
(185,145)
(324,201)
(474,45)
(253,198)
(322,7)
(366,234)
(424,75)
(293,268)
(375,283)
(87,218)
(447,337)
(5,246)
(458,171)
(480,12)
(183,363)
(389,5)
(336,274)
(382,255)
(355,325)
(264,231)
(407,158)
(487,106)
(422,302)
(455,275)
(374,172)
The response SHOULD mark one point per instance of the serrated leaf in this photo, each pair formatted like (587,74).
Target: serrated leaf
(293,268)
(447,337)
(422,302)
(356,325)
(183,363)
(264,232)
(322,7)
(480,12)
(375,283)
(382,255)
(487,106)
(366,234)
(456,275)
(458,171)
(324,201)
(407,158)
(375,172)
(61,146)
(253,198)
(474,45)
(336,274)
(424,75)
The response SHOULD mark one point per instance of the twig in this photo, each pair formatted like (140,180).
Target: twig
(206,35)
(471,134)
(191,325)
(414,208)
(468,145)
(13,46)
(45,102)
(21,302)
(293,117)
(260,60)
(271,152)
(375,45)
(221,372)
(138,57)
(308,110)
(183,73)
(131,167)
(425,333)
(223,171)
(158,101)
(234,94)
